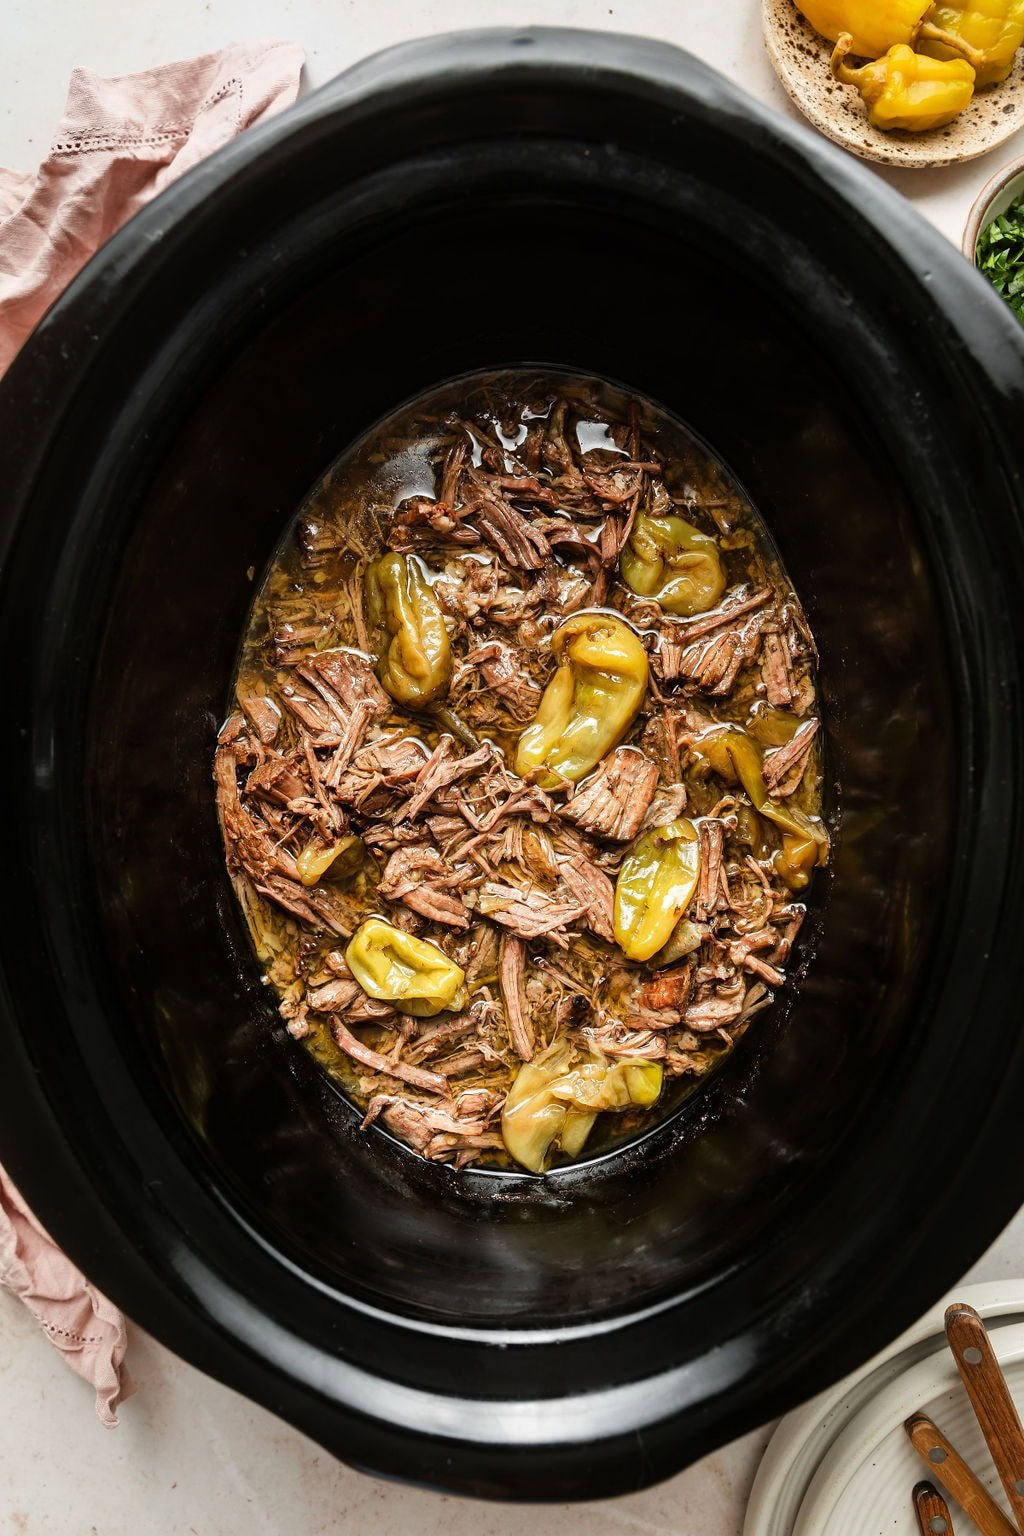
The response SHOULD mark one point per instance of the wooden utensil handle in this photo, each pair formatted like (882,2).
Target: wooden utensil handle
(932,1512)
(946,1464)
(990,1398)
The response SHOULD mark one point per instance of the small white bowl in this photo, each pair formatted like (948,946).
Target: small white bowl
(994,198)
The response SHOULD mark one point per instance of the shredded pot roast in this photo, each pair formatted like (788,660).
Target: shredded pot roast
(520,793)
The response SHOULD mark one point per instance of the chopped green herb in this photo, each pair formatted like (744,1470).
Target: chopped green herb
(1000,255)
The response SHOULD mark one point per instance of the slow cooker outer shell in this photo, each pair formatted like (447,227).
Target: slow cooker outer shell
(194,1216)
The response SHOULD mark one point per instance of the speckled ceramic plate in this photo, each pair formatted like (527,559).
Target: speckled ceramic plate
(863,1487)
(803,1447)
(800,58)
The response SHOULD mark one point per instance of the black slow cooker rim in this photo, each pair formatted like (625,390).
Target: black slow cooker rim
(210,1326)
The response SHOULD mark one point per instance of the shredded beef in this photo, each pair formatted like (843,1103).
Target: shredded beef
(503,673)
(784,768)
(516,540)
(513,965)
(419,877)
(344,679)
(612,803)
(513,879)
(530,914)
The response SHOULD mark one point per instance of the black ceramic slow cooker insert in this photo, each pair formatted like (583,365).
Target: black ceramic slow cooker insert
(608,205)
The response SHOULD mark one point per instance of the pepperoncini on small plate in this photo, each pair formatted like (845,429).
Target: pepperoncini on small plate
(671,561)
(735,755)
(415,657)
(590,702)
(907,90)
(654,888)
(395,967)
(875,25)
(553,1103)
(994,27)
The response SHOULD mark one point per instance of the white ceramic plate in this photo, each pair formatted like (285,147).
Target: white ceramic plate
(864,1483)
(800,59)
(805,1437)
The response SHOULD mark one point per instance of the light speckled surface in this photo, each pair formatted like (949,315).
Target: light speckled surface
(191,1458)
(800,58)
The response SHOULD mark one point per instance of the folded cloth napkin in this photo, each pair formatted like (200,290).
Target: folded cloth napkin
(120,143)
(84,1326)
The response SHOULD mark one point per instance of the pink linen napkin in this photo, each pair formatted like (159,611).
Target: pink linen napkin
(120,143)
(86,1328)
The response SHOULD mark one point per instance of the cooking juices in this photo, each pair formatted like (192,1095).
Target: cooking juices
(520,788)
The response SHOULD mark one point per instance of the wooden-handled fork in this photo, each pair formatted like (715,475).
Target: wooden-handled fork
(932,1513)
(945,1463)
(993,1406)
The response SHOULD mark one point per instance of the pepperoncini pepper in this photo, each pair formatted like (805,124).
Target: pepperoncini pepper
(341,859)
(875,25)
(735,755)
(415,657)
(904,89)
(994,27)
(671,561)
(590,703)
(395,967)
(804,847)
(553,1103)
(654,888)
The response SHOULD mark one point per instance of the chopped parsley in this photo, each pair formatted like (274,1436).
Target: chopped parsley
(1000,255)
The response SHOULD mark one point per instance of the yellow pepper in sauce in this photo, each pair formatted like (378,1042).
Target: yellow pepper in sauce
(340,859)
(553,1104)
(875,25)
(590,703)
(735,755)
(415,657)
(671,561)
(994,27)
(654,888)
(395,967)
(904,89)
(804,848)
